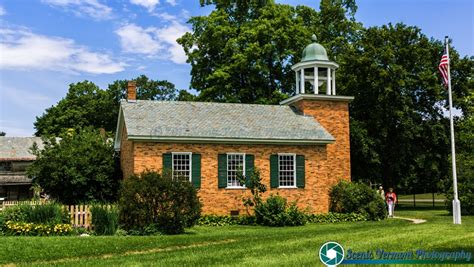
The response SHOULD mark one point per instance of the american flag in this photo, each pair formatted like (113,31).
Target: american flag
(443,67)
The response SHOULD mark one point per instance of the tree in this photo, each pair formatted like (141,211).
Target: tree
(80,167)
(86,104)
(399,134)
(3,133)
(243,50)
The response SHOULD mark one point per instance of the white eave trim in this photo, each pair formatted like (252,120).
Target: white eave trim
(298,97)
(118,132)
(220,140)
(312,63)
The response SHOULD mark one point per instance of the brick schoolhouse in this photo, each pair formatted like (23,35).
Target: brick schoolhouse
(301,147)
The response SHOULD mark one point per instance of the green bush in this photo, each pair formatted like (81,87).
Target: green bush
(225,220)
(347,197)
(104,219)
(332,217)
(50,213)
(276,212)
(152,200)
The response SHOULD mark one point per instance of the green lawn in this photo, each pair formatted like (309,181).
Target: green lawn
(427,196)
(242,245)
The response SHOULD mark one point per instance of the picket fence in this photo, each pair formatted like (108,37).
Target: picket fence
(80,214)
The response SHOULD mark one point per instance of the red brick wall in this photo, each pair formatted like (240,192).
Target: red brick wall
(334,117)
(126,154)
(148,156)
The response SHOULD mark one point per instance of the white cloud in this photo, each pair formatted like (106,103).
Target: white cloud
(135,39)
(171,2)
(91,8)
(2,11)
(154,42)
(166,16)
(148,4)
(22,49)
(169,35)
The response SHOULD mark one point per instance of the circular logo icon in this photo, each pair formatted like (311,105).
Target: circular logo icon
(331,253)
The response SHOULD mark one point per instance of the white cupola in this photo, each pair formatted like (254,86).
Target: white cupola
(315,70)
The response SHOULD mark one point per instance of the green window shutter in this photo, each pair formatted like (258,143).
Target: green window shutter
(249,167)
(300,181)
(274,171)
(222,170)
(167,162)
(196,170)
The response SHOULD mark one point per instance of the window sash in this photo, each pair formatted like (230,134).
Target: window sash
(235,164)
(181,163)
(286,170)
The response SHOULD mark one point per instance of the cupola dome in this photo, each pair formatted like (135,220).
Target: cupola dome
(314,51)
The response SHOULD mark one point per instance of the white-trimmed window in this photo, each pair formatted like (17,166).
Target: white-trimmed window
(287,170)
(181,165)
(235,166)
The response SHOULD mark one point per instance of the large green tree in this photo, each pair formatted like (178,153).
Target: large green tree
(399,134)
(86,104)
(243,50)
(79,167)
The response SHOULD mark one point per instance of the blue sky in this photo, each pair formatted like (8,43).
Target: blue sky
(47,44)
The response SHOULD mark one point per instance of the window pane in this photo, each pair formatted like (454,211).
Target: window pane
(181,166)
(287,170)
(235,166)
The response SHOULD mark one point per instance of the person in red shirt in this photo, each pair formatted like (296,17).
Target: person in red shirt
(391,199)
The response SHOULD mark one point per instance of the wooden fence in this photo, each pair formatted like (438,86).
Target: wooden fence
(80,214)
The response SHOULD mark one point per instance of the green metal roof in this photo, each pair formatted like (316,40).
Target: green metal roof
(314,51)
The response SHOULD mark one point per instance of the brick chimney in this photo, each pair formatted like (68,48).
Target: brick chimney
(132,91)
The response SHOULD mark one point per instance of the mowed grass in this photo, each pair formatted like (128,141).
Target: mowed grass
(242,245)
(427,196)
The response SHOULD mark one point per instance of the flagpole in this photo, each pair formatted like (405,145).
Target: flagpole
(456,202)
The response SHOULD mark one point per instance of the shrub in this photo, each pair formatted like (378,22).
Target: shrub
(276,212)
(157,201)
(50,213)
(104,219)
(355,197)
(332,217)
(225,220)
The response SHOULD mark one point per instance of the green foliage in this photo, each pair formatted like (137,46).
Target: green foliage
(333,217)
(276,212)
(347,197)
(104,219)
(154,201)
(50,213)
(399,134)
(253,182)
(243,50)
(2,133)
(79,168)
(37,229)
(86,104)
(225,220)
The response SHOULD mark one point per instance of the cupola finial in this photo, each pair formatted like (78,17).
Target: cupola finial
(313,37)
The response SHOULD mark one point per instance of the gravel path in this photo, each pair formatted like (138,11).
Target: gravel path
(415,221)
